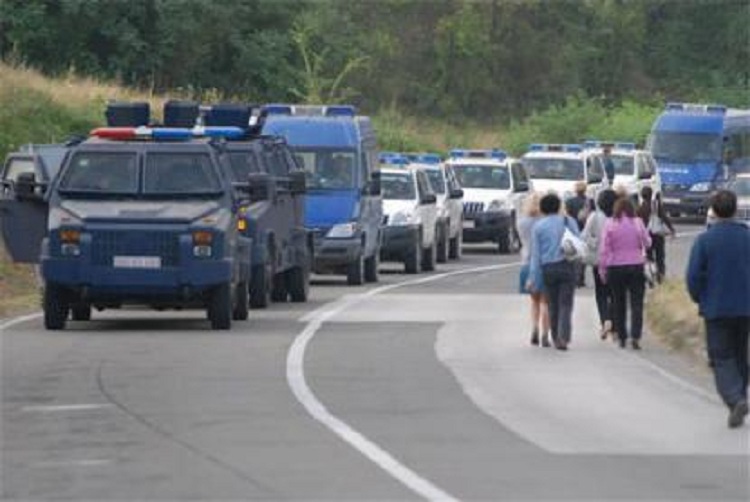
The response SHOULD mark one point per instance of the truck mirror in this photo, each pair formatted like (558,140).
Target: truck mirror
(25,185)
(428,198)
(298,182)
(457,193)
(259,186)
(374,185)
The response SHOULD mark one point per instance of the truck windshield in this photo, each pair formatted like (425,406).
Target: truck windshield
(623,165)
(477,176)
(180,174)
(397,186)
(99,173)
(436,180)
(328,169)
(554,169)
(686,147)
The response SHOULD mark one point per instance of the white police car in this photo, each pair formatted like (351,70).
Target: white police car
(449,203)
(495,187)
(558,167)
(634,168)
(410,215)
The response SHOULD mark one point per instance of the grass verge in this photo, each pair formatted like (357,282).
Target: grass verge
(18,291)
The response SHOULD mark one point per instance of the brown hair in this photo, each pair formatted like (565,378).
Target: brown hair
(624,207)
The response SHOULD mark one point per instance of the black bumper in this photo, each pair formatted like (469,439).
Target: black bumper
(483,227)
(334,255)
(397,241)
(686,202)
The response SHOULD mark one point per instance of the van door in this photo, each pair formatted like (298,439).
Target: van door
(23,208)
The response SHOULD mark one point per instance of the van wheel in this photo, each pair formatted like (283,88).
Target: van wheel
(56,307)
(259,286)
(220,307)
(241,302)
(429,258)
(81,312)
(279,293)
(355,272)
(509,242)
(442,244)
(454,249)
(413,259)
(298,284)
(372,266)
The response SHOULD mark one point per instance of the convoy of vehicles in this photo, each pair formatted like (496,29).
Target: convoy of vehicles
(634,168)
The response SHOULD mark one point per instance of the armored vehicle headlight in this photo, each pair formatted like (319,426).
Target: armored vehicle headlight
(202,238)
(70,236)
(241,224)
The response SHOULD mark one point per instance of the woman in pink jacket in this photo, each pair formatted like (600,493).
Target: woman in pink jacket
(622,255)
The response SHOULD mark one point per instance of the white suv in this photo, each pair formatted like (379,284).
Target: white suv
(410,216)
(557,168)
(634,168)
(495,187)
(449,204)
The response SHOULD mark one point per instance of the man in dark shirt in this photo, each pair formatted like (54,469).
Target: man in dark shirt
(609,165)
(718,279)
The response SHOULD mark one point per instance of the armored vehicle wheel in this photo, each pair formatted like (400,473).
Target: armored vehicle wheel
(298,283)
(429,258)
(413,259)
(279,293)
(220,307)
(56,307)
(454,247)
(355,272)
(81,312)
(241,302)
(372,266)
(442,245)
(260,287)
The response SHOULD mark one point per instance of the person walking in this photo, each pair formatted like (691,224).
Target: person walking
(592,233)
(577,207)
(557,273)
(718,280)
(659,225)
(621,266)
(609,165)
(534,287)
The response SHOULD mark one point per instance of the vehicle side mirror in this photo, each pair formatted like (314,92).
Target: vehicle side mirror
(457,193)
(298,182)
(374,185)
(259,186)
(428,198)
(25,185)
(646,175)
(522,187)
(593,180)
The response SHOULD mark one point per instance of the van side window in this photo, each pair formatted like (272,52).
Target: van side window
(423,183)
(364,168)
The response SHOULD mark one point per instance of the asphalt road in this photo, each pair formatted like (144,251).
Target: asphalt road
(420,387)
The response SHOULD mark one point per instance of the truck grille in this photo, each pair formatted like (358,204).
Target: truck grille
(675,187)
(472,208)
(105,245)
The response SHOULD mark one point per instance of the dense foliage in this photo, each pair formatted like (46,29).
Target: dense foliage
(489,60)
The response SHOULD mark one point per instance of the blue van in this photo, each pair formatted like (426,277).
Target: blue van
(687,143)
(343,205)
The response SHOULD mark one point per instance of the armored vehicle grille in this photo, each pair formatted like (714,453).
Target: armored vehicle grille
(105,245)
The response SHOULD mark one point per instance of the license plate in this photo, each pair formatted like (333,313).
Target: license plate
(468,223)
(137,261)
(670,200)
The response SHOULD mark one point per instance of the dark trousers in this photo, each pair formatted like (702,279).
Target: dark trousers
(628,286)
(603,297)
(560,284)
(727,341)
(656,253)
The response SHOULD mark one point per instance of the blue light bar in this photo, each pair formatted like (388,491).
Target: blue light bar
(394,160)
(478,154)
(619,145)
(387,155)
(544,147)
(429,158)
(171,134)
(276,109)
(227,132)
(341,111)
(695,107)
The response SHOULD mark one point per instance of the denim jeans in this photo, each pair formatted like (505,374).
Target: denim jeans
(560,283)
(628,286)
(727,341)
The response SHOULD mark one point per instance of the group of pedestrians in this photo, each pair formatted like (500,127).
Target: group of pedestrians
(617,237)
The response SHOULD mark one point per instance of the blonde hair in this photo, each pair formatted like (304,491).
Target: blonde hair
(580,187)
(531,205)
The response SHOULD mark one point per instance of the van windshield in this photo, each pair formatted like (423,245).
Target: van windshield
(328,169)
(99,173)
(398,186)
(554,169)
(686,147)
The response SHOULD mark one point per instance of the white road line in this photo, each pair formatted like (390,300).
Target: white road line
(65,407)
(19,320)
(298,383)
(92,462)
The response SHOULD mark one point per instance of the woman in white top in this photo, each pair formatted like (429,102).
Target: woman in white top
(591,234)
(539,312)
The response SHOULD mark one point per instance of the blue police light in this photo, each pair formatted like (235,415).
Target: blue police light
(544,147)
(382,156)
(429,158)
(478,154)
(171,134)
(625,146)
(695,107)
(340,111)
(276,109)
(537,147)
(227,132)
(573,148)
(458,153)
(394,160)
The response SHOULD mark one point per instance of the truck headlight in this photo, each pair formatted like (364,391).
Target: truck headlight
(401,218)
(704,186)
(343,231)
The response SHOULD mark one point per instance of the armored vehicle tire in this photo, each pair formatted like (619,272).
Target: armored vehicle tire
(56,307)
(298,284)
(259,287)
(241,302)
(279,292)
(454,247)
(429,258)
(372,266)
(442,244)
(355,272)
(80,312)
(220,307)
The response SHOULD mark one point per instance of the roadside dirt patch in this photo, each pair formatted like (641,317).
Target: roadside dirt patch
(18,291)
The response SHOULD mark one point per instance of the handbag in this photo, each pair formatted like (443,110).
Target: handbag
(573,247)
(656,224)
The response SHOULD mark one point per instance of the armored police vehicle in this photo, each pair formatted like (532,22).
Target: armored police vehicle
(634,168)
(411,217)
(343,208)
(449,204)
(138,215)
(494,188)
